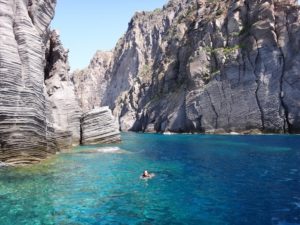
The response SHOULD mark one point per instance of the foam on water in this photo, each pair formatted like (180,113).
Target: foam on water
(110,150)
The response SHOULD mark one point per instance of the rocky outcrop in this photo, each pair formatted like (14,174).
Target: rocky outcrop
(90,83)
(208,66)
(39,113)
(64,107)
(25,134)
(99,126)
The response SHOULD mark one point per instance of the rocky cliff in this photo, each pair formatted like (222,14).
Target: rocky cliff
(39,112)
(90,83)
(25,133)
(207,66)
(64,107)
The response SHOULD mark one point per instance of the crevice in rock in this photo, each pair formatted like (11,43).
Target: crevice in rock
(30,13)
(185,110)
(282,61)
(259,105)
(49,60)
(286,125)
(257,80)
(213,108)
(228,113)
(281,96)
(80,132)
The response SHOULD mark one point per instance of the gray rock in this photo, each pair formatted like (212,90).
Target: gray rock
(25,134)
(64,107)
(39,111)
(99,126)
(208,66)
(90,83)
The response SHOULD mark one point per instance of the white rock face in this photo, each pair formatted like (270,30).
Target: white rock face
(99,126)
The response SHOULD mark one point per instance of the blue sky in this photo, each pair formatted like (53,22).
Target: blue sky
(91,25)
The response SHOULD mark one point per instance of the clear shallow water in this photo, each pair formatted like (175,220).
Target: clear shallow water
(200,179)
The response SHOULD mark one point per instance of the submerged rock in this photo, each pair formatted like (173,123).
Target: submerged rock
(99,126)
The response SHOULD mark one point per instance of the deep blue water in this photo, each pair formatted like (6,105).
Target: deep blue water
(200,179)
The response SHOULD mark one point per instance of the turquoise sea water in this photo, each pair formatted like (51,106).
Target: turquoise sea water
(200,179)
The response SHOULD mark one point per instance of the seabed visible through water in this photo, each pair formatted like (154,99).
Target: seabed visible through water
(200,179)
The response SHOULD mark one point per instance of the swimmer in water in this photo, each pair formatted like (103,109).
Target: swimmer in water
(147,175)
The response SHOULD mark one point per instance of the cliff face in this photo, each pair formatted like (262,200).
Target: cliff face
(25,134)
(64,107)
(90,83)
(208,66)
(39,112)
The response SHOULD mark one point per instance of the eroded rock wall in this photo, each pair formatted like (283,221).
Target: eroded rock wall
(25,134)
(208,66)
(39,111)
(64,107)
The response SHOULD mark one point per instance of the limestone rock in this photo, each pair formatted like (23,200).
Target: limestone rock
(99,126)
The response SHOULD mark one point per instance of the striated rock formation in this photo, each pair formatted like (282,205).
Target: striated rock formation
(90,83)
(193,66)
(25,133)
(64,106)
(99,126)
(207,66)
(39,112)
